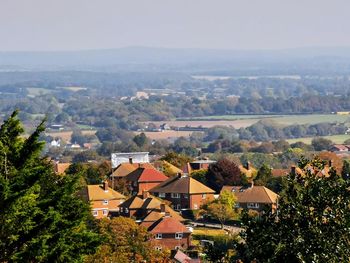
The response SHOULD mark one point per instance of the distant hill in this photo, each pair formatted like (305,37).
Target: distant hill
(163,59)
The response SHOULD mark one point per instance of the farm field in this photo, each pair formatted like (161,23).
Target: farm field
(338,139)
(238,121)
(166,134)
(66,135)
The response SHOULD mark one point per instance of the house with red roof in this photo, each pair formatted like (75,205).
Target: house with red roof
(168,232)
(183,192)
(147,209)
(143,179)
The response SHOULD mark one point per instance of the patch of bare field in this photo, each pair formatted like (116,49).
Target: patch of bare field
(164,135)
(208,124)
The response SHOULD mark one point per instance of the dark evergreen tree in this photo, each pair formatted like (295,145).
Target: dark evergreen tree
(42,218)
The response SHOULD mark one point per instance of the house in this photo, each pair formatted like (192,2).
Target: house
(123,169)
(197,165)
(147,209)
(164,127)
(104,200)
(339,148)
(247,170)
(55,143)
(279,172)
(183,192)
(169,233)
(143,179)
(60,168)
(133,157)
(253,197)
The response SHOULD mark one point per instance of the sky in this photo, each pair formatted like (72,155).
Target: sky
(48,25)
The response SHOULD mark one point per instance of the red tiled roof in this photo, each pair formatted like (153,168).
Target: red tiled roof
(168,225)
(146,175)
(279,172)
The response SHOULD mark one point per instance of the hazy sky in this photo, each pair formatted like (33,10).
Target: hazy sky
(229,24)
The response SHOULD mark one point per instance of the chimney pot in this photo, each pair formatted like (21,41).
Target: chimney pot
(105,185)
(293,170)
(145,194)
(130,160)
(162,208)
(247,165)
(330,163)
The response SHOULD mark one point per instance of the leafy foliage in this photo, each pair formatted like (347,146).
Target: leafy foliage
(311,223)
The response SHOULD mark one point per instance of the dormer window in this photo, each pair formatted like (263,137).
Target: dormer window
(105,202)
(178,235)
(159,236)
(204,196)
(161,195)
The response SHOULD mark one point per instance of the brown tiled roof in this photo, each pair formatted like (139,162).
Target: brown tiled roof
(96,192)
(160,164)
(60,168)
(133,202)
(168,225)
(156,214)
(279,172)
(146,175)
(255,194)
(183,185)
(124,169)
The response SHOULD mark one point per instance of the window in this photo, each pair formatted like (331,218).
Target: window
(253,205)
(105,202)
(95,213)
(178,207)
(126,210)
(121,209)
(162,195)
(178,235)
(237,205)
(159,236)
(175,195)
(204,196)
(195,206)
(185,196)
(158,248)
(105,212)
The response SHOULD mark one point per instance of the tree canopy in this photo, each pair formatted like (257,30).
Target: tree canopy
(311,223)
(42,218)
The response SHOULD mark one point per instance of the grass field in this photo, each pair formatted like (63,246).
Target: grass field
(238,121)
(38,91)
(209,231)
(338,139)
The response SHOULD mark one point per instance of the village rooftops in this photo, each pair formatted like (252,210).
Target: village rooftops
(146,175)
(252,194)
(124,169)
(168,225)
(183,185)
(102,192)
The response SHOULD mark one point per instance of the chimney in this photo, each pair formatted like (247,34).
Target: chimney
(293,170)
(105,185)
(167,214)
(252,184)
(145,194)
(330,163)
(179,175)
(247,165)
(162,208)
(130,160)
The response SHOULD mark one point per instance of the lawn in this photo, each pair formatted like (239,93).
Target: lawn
(203,231)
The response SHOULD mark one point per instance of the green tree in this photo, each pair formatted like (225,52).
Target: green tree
(179,160)
(346,169)
(42,218)
(222,208)
(125,241)
(310,225)
(321,144)
(140,139)
(263,176)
